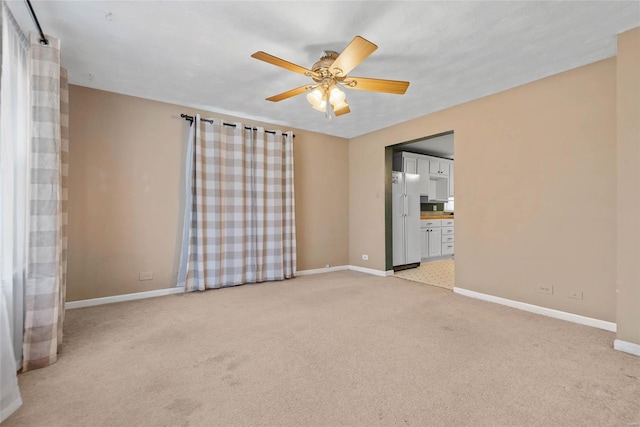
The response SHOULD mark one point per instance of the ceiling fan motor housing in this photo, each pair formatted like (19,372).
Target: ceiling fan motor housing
(323,75)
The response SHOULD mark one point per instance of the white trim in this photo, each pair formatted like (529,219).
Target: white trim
(627,347)
(119,298)
(322,270)
(371,271)
(10,409)
(178,290)
(562,315)
(169,291)
(345,267)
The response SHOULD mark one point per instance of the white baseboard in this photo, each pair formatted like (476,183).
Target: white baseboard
(562,315)
(345,267)
(169,291)
(371,271)
(627,347)
(119,298)
(322,270)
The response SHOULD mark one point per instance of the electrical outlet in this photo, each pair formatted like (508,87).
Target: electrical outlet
(365,257)
(145,275)
(326,266)
(435,207)
(575,294)
(545,289)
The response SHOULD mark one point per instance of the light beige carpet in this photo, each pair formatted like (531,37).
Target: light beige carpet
(434,273)
(342,348)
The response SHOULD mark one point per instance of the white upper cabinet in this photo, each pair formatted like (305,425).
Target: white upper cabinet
(436,175)
(410,164)
(451,179)
(438,167)
(439,189)
(423,170)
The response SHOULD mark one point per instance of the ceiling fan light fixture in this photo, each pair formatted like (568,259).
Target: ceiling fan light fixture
(336,96)
(315,97)
(322,107)
(340,105)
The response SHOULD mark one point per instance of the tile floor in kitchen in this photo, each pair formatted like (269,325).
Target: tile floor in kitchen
(435,273)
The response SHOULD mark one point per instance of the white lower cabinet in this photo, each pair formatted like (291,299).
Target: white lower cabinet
(424,242)
(448,241)
(430,238)
(435,242)
(436,238)
(447,248)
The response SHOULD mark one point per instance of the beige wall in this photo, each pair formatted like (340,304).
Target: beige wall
(126,194)
(628,203)
(536,183)
(535,190)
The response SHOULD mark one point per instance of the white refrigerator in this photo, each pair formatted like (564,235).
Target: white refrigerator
(405,192)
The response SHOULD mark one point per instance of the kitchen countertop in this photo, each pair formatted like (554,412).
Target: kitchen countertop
(436,217)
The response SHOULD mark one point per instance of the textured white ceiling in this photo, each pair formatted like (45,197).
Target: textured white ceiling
(198,53)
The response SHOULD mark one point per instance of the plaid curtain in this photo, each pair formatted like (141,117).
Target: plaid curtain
(242,226)
(47,241)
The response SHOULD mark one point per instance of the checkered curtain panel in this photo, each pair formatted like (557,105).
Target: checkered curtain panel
(47,240)
(242,218)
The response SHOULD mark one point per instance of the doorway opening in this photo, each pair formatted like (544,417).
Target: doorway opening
(429,163)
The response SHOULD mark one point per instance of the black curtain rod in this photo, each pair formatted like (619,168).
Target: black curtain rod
(190,118)
(43,39)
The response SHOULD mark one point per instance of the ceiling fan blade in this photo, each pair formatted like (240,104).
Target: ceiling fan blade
(357,51)
(289,93)
(343,110)
(377,85)
(263,56)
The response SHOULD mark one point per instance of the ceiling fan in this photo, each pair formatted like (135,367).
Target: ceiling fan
(330,73)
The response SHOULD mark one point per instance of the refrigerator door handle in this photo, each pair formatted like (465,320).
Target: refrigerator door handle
(406,205)
(401,205)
